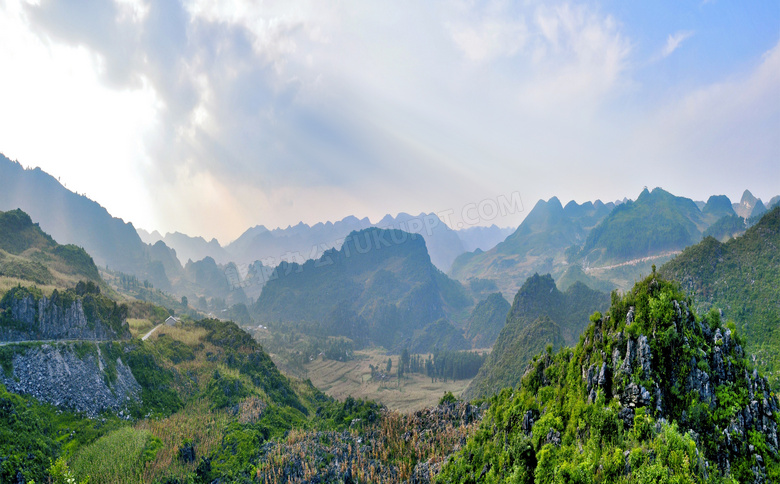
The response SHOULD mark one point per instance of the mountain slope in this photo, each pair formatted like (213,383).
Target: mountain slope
(656,222)
(486,320)
(742,278)
(378,288)
(651,393)
(28,253)
(537,245)
(540,315)
(749,206)
(718,206)
(75,219)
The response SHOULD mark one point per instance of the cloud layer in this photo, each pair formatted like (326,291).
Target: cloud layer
(274,112)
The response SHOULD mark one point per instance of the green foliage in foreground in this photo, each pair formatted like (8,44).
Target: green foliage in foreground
(551,430)
(33,435)
(158,397)
(741,278)
(115,456)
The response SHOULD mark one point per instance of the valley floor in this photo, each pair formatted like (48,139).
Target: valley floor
(353,378)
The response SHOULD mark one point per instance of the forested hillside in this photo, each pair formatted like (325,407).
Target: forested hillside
(541,315)
(380,288)
(741,278)
(651,393)
(29,254)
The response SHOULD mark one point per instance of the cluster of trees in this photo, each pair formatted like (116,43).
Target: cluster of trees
(129,282)
(442,365)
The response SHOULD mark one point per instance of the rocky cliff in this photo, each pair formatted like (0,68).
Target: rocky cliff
(651,393)
(76,376)
(27,315)
(708,367)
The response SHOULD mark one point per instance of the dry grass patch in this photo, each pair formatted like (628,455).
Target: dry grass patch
(195,423)
(7,283)
(139,327)
(353,378)
(191,336)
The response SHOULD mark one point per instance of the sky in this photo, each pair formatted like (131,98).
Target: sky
(211,116)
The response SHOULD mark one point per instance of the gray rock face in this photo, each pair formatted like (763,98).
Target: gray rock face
(699,381)
(715,362)
(553,437)
(626,367)
(635,396)
(645,356)
(47,320)
(528,421)
(56,375)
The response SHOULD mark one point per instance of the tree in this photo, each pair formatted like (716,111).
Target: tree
(184,301)
(405,360)
(389,365)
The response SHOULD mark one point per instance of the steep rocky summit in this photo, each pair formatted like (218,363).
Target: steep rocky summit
(651,393)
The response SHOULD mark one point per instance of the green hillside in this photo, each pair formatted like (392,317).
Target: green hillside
(379,288)
(726,228)
(741,278)
(656,222)
(538,244)
(486,320)
(208,386)
(540,315)
(29,254)
(650,394)
(574,273)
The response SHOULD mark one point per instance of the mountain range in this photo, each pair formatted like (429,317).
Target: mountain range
(74,219)
(613,244)
(28,253)
(379,288)
(301,242)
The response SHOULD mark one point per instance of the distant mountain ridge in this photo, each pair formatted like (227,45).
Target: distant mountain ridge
(75,219)
(540,315)
(538,244)
(656,222)
(379,288)
(187,247)
(302,241)
(613,244)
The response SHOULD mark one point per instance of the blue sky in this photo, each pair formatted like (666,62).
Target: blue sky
(208,117)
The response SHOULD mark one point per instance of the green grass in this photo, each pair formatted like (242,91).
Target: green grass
(118,457)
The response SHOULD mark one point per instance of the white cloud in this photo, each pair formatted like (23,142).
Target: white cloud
(674,41)
(491,37)
(274,111)
(723,134)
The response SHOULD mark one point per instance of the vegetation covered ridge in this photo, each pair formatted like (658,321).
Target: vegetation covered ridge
(651,393)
